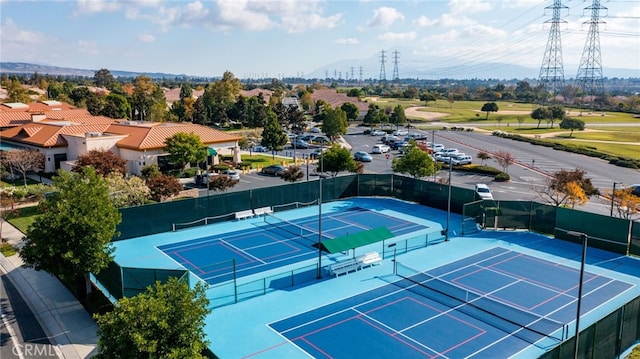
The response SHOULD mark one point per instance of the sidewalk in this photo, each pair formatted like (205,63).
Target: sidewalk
(69,327)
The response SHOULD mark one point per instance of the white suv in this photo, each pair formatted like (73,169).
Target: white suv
(380,149)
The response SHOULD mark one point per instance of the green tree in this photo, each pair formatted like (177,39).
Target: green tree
(142,99)
(334,122)
(372,118)
(351,110)
(166,321)
(541,113)
(557,113)
(337,159)
(415,162)
(103,78)
(489,107)
(483,156)
(15,91)
(116,106)
(572,124)
(398,116)
(72,236)
(185,148)
(273,136)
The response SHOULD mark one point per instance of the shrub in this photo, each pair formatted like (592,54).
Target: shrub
(220,168)
(502,177)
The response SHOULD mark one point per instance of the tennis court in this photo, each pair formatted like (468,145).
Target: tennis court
(493,305)
(275,242)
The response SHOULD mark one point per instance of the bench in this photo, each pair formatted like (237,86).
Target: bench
(344,267)
(244,214)
(369,259)
(262,210)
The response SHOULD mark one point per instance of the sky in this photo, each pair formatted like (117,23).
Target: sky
(310,38)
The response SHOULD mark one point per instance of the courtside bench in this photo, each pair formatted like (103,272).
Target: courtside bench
(244,214)
(369,259)
(344,267)
(262,210)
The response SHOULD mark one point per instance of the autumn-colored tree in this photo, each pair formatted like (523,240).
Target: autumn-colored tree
(221,183)
(626,203)
(163,186)
(575,194)
(557,191)
(103,162)
(504,159)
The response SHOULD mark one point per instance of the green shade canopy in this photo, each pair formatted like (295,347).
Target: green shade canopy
(212,152)
(356,240)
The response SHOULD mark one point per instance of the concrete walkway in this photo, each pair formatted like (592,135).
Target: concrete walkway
(67,324)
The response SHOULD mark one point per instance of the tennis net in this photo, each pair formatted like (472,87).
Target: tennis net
(291,228)
(522,324)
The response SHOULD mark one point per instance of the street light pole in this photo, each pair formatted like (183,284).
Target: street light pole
(446,235)
(583,237)
(613,196)
(319,274)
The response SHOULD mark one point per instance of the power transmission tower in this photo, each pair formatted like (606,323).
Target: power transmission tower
(396,77)
(383,75)
(552,70)
(360,74)
(589,77)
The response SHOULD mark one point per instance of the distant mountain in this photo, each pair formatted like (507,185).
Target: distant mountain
(346,69)
(28,68)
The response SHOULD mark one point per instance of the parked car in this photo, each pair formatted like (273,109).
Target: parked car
(299,144)
(378,133)
(259,149)
(483,191)
(400,133)
(380,149)
(404,147)
(386,138)
(418,136)
(320,139)
(306,137)
(362,156)
(437,147)
(315,130)
(397,144)
(232,173)
(460,159)
(273,170)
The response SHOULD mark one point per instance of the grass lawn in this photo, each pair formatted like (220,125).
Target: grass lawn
(23,218)
(628,151)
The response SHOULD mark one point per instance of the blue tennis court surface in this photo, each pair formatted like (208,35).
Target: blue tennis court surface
(274,243)
(436,302)
(450,311)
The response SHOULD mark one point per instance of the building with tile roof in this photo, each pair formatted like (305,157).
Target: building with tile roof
(63,138)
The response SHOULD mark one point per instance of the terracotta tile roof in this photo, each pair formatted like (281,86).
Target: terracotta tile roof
(172,95)
(336,99)
(147,136)
(47,135)
(255,92)
(16,118)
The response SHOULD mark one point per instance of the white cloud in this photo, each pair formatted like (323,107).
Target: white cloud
(12,33)
(97,6)
(347,41)
(424,21)
(298,24)
(384,17)
(394,36)
(469,6)
(87,47)
(146,38)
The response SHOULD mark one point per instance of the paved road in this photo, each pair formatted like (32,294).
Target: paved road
(21,336)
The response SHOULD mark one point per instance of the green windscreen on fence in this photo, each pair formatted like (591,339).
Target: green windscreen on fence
(604,232)
(136,280)
(634,248)
(111,279)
